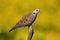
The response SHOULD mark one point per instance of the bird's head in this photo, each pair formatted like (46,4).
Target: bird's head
(36,11)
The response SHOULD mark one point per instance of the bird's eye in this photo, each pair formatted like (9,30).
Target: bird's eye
(36,10)
(33,13)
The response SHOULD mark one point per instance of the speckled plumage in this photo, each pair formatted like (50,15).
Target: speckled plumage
(26,20)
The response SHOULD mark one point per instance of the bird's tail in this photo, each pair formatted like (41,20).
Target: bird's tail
(16,26)
(12,29)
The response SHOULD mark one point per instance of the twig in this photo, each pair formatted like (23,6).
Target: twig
(30,33)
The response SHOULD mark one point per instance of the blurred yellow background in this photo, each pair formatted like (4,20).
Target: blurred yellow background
(46,26)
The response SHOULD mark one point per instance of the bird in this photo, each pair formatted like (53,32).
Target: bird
(26,20)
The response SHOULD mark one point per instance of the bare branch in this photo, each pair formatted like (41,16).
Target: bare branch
(30,33)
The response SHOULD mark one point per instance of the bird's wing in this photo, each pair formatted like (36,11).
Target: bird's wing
(27,19)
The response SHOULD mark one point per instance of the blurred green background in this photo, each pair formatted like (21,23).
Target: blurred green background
(46,26)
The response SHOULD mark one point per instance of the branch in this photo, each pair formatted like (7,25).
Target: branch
(30,33)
